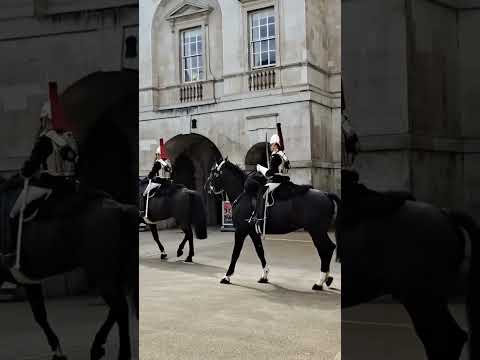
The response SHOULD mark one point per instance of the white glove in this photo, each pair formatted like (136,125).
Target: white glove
(262,169)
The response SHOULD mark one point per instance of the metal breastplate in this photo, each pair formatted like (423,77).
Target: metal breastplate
(283,168)
(56,165)
(164,173)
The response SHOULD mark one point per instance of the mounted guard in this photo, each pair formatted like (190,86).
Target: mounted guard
(51,167)
(159,176)
(276,175)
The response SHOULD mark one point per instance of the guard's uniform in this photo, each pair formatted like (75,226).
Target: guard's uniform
(159,176)
(276,176)
(52,165)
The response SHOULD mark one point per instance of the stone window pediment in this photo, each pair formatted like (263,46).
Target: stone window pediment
(187,10)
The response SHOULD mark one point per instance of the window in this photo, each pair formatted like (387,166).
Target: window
(262,38)
(192,55)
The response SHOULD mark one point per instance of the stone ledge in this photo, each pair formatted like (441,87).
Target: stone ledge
(384,142)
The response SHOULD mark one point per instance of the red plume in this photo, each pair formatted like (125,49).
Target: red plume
(163,150)
(58,116)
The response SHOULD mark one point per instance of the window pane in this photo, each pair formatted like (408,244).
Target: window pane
(256,33)
(201,75)
(264,58)
(199,47)
(186,50)
(255,21)
(194,62)
(263,21)
(199,37)
(200,61)
(271,44)
(271,30)
(195,75)
(273,59)
(256,48)
(263,32)
(256,60)
(187,75)
(264,45)
(271,20)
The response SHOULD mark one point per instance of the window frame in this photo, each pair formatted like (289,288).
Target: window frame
(182,32)
(251,41)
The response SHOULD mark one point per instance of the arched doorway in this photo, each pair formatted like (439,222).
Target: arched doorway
(257,155)
(103,108)
(184,172)
(192,157)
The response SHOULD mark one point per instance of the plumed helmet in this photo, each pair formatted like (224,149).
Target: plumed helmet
(163,150)
(275,139)
(46,111)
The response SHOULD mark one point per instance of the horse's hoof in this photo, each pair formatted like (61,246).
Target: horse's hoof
(163,257)
(263,281)
(329,281)
(179,253)
(189,259)
(317,287)
(59,357)
(224,281)
(97,353)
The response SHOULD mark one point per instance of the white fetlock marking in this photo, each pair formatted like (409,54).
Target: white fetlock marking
(266,270)
(226,278)
(58,352)
(323,277)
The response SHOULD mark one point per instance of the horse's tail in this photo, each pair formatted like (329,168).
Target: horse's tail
(130,259)
(473,229)
(198,215)
(335,199)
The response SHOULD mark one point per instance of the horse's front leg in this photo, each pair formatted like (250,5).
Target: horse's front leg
(156,238)
(237,249)
(37,303)
(257,242)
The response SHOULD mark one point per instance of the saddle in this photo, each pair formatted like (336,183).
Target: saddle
(165,190)
(360,203)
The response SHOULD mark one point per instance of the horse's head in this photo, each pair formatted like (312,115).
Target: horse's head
(215,182)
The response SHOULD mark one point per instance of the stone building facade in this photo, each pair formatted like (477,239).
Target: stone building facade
(411,71)
(90,48)
(216,76)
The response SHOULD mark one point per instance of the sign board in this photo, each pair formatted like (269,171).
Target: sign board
(227,218)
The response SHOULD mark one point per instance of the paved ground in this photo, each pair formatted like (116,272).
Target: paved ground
(186,314)
(75,320)
(382,330)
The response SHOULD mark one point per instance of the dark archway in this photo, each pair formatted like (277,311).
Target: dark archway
(184,172)
(257,155)
(197,151)
(103,108)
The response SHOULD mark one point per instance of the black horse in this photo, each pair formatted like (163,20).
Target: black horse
(314,211)
(417,250)
(184,205)
(67,236)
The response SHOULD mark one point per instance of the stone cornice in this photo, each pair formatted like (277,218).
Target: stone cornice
(405,142)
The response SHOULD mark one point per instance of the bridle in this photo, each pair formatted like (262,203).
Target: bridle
(215,173)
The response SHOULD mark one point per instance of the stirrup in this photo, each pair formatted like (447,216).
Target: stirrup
(21,278)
